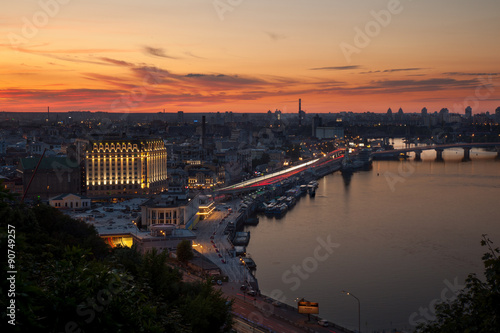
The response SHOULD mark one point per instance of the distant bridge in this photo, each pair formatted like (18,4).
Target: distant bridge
(439,149)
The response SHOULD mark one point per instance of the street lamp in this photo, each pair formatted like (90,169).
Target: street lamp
(359,308)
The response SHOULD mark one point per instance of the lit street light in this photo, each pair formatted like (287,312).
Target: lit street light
(359,308)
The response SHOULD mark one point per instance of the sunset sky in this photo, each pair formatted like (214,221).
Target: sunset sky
(249,55)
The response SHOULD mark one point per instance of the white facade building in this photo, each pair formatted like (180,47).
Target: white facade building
(70,201)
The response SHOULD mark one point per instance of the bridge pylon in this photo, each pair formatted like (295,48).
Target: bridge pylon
(439,154)
(466,154)
(418,155)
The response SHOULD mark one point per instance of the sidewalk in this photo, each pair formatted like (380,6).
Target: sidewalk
(276,319)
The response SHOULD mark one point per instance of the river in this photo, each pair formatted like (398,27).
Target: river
(399,237)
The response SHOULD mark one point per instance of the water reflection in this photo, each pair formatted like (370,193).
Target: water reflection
(397,245)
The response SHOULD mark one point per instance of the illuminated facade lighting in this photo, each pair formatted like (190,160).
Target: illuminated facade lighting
(126,167)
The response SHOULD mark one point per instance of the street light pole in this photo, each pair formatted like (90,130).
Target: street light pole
(359,308)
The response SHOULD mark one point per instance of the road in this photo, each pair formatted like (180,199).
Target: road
(214,245)
(250,311)
(278,319)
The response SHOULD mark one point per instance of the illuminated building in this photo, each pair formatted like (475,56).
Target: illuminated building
(170,210)
(206,209)
(70,201)
(202,177)
(125,166)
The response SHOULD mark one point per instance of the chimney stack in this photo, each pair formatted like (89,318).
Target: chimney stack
(300,112)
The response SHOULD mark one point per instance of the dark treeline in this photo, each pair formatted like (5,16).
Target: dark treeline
(69,280)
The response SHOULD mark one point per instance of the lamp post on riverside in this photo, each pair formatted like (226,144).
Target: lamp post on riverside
(359,308)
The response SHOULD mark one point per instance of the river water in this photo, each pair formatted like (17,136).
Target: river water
(399,237)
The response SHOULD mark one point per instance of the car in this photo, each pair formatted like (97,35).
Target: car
(223,261)
(220,255)
(323,323)
(219,282)
(251,292)
(243,287)
(212,237)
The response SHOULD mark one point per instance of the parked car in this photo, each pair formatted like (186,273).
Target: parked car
(251,292)
(219,282)
(323,323)
(243,287)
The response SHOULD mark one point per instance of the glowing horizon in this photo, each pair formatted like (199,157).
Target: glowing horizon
(249,56)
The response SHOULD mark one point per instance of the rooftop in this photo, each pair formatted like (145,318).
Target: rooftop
(112,219)
(48,163)
(118,219)
(62,196)
(165,201)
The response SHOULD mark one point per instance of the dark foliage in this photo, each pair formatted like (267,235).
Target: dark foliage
(69,280)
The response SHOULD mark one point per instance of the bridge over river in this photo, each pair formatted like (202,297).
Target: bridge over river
(439,150)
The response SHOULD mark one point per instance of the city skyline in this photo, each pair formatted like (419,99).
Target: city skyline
(242,56)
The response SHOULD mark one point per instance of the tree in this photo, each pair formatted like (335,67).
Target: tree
(72,281)
(184,251)
(206,308)
(477,307)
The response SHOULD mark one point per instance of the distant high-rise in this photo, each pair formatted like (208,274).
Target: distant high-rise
(228,117)
(389,114)
(400,115)
(203,131)
(497,115)
(425,117)
(277,114)
(302,113)
(315,124)
(444,115)
(468,112)
(180,117)
(269,116)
